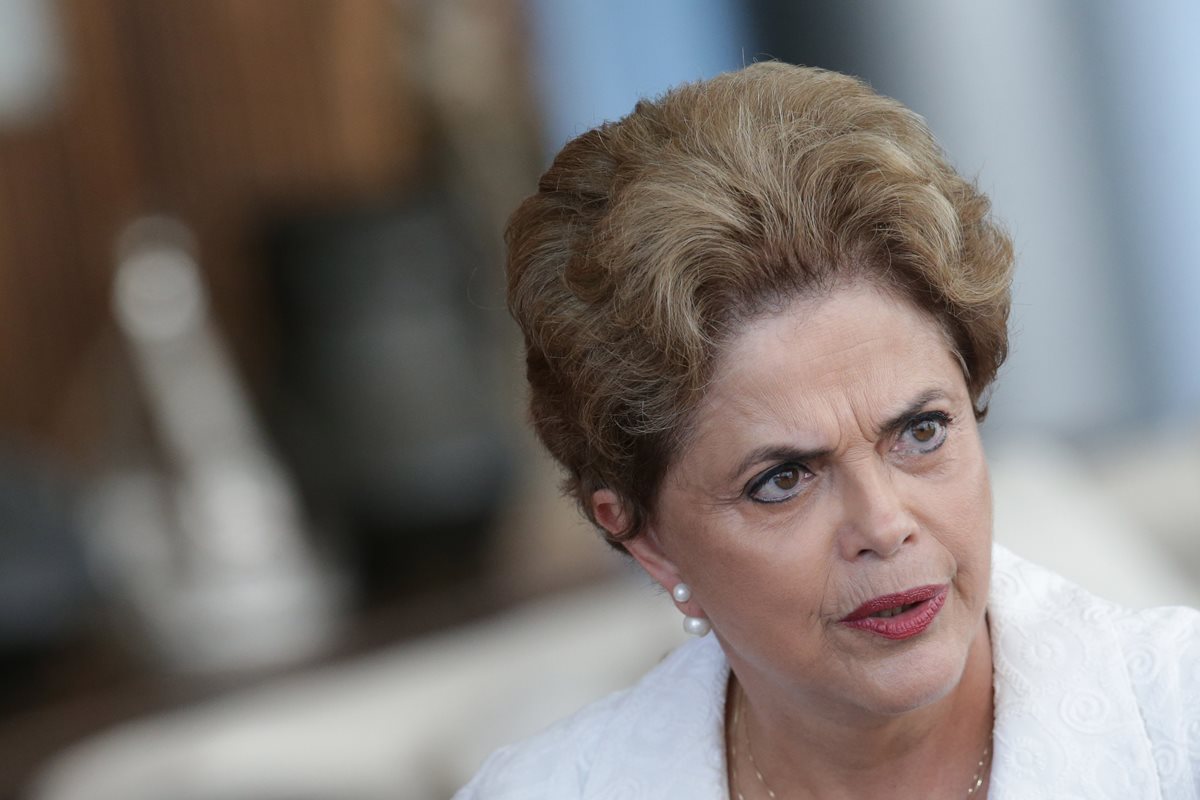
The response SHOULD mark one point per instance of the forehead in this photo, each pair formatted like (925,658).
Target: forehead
(858,350)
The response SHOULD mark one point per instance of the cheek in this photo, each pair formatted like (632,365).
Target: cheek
(962,498)
(975,498)
(962,523)
(966,513)
(759,575)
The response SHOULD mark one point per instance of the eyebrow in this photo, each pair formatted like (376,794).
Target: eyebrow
(782,453)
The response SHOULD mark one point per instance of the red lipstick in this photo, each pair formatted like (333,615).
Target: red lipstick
(901,615)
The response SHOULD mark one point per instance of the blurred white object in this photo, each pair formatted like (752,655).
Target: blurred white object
(1155,476)
(1050,510)
(210,553)
(410,724)
(31,59)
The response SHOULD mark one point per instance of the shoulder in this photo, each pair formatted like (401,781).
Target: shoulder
(550,764)
(1091,695)
(666,716)
(1161,652)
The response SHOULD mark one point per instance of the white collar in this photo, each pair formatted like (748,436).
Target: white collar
(1067,721)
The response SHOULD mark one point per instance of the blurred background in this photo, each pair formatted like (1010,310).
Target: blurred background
(271,523)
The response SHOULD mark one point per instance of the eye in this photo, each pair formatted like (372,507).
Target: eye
(779,483)
(924,433)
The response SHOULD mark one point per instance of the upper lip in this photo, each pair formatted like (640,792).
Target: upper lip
(886,601)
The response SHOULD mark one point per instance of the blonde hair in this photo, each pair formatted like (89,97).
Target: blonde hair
(652,240)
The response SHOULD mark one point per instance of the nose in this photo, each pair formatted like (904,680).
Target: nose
(875,520)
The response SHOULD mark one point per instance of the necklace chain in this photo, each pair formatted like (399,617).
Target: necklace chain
(739,726)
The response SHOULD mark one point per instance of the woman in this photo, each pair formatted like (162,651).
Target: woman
(761,315)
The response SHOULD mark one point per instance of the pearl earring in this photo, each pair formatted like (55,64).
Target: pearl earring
(696,626)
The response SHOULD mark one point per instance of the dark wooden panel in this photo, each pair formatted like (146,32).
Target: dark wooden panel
(222,112)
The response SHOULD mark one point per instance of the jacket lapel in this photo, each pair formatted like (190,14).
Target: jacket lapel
(667,740)
(1067,720)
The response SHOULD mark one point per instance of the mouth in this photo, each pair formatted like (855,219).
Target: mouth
(901,615)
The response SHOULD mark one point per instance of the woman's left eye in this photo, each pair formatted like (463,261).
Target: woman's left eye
(924,433)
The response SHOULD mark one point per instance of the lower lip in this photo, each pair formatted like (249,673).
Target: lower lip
(905,625)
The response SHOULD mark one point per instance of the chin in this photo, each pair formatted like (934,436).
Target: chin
(916,682)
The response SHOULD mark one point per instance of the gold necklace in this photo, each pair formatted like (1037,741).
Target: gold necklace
(739,725)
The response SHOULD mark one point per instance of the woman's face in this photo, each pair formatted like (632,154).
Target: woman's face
(835,460)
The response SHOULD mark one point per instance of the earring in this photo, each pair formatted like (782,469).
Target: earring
(696,626)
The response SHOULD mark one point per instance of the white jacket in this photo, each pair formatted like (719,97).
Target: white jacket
(1092,701)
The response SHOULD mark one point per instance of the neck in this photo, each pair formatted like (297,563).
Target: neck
(932,751)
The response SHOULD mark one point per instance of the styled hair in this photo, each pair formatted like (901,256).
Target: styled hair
(651,241)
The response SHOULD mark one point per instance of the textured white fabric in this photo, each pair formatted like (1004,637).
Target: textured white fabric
(1092,701)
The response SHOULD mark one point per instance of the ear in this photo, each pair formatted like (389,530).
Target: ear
(610,512)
